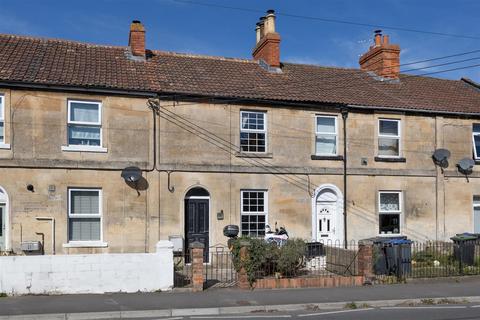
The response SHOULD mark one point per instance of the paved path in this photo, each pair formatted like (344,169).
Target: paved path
(225,298)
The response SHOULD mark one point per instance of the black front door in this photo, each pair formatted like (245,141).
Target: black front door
(196,223)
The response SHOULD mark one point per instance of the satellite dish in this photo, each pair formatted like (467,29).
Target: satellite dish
(466,165)
(131,174)
(440,157)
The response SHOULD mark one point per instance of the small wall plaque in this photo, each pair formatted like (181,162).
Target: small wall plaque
(220,215)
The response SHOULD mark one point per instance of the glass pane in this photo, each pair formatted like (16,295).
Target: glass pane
(252,142)
(326,144)
(476,127)
(1,131)
(476,138)
(81,229)
(476,200)
(85,112)
(253,120)
(476,220)
(2,115)
(83,135)
(325,125)
(388,127)
(1,222)
(389,202)
(388,147)
(84,202)
(389,223)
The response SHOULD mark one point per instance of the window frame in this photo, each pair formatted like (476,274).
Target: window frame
(265,206)
(473,211)
(475,133)
(2,118)
(399,211)
(98,124)
(264,131)
(86,216)
(326,133)
(398,136)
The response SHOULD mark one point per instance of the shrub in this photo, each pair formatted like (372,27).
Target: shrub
(266,259)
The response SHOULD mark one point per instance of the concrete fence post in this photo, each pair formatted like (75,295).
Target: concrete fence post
(243,282)
(365,259)
(196,252)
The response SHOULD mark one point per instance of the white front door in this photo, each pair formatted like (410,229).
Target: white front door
(2,227)
(326,213)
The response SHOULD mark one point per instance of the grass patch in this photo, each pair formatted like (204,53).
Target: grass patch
(427,301)
(351,305)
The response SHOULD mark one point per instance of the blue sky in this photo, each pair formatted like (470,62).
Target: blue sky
(174,26)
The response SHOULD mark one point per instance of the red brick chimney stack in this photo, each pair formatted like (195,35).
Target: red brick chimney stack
(136,38)
(268,41)
(382,58)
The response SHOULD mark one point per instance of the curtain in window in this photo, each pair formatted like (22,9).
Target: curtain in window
(326,144)
(84,202)
(84,112)
(81,229)
(82,135)
(389,202)
(388,146)
(325,125)
(1,131)
(389,128)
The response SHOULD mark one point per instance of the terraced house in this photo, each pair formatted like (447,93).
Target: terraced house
(330,153)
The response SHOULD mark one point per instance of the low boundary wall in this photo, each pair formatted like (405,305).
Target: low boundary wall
(89,273)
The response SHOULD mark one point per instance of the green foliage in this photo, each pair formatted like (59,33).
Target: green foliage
(427,257)
(266,259)
(351,305)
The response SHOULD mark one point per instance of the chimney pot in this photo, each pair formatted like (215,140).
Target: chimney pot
(386,39)
(268,41)
(136,38)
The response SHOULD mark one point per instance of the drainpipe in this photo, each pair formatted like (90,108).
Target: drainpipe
(53,230)
(344,117)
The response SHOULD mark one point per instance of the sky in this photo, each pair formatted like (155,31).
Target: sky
(174,25)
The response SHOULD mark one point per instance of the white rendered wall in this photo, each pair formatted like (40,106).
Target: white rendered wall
(90,273)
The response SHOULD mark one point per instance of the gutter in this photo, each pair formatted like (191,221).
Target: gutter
(152,94)
(63,88)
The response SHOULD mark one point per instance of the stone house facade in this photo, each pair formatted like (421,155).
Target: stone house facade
(332,154)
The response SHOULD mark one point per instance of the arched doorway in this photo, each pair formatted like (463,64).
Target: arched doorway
(4,221)
(327,214)
(197,218)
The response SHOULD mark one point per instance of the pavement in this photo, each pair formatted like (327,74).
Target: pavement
(216,302)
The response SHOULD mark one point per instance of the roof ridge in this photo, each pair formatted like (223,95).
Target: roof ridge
(46,39)
(203,56)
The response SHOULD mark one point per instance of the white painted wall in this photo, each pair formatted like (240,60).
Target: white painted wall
(90,273)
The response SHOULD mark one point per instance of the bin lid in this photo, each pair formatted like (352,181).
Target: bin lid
(399,241)
(465,237)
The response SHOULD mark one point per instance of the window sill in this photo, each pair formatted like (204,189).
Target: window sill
(84,149)
(393,159)
(389,234)
(85,244)
(254,155)
(319,157)
(4,145)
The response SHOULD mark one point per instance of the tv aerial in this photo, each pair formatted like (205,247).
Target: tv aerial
(465,166)
(440,158)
